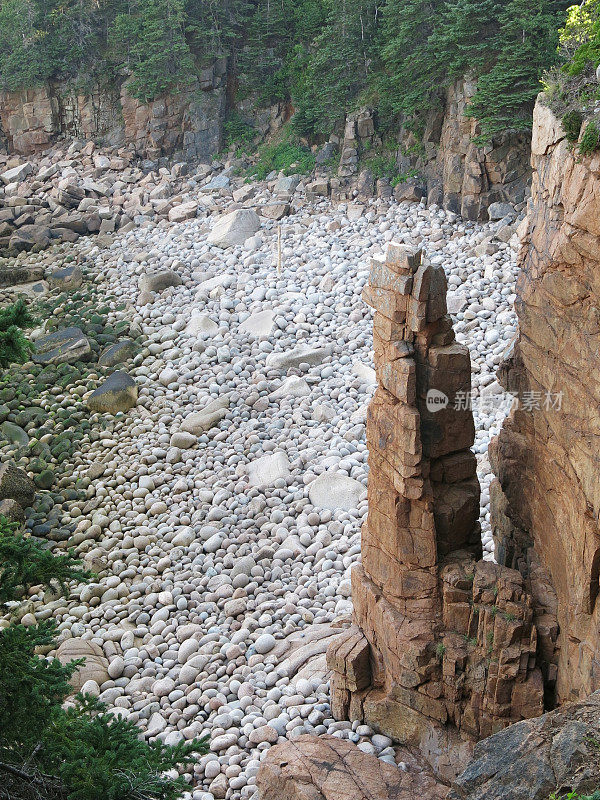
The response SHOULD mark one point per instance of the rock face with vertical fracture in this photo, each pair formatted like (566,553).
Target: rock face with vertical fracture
(442,649)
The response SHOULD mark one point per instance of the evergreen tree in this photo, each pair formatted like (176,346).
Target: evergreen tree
(151,37)
(413,71)
(526,46)
(48,751)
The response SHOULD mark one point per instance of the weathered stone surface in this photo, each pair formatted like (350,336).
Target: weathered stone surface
(16,485)
(234,228)
(443,648)
(553,755)
(213,412)
(119,392)
(62,347)
(546,504)
(118,353)
(66,278)
(303,354)
(328,768)
(95,667)
(12,511)
(159,281)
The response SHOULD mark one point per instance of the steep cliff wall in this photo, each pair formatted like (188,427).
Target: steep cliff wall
(189,122)
(547,454)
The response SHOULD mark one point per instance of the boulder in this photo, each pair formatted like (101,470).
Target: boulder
(30,237)
(201,325)
(14,274)
(303,354)
(200,421)
(159,281)
(12,511)
(234,228)
(266,470)
(286,184)
(336,491)
(275,211)
(66,278)
(118,353)
(328,768)
(16,485)
(119,392)
(61,347)
(95,667)
(552,755)
(258,325)
(184,211)
(17,174)
(498,211)
(14,434)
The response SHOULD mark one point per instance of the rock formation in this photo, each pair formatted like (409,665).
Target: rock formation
(443,647)
(546,502)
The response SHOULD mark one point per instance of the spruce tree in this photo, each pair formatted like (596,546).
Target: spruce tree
(49,751)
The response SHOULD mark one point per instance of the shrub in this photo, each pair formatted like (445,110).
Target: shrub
(49,751)
(13,344)
(590,139)
(288,155)
(238,133)
(571,123)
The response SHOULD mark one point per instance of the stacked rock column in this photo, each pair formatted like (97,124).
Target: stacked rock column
(419,590)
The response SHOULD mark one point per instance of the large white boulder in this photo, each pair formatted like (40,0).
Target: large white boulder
(234,228)
(333,490)
(266,470)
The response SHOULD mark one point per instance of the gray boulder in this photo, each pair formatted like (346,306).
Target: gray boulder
(159,281)
(16,485)
(17,174)
(119,392)
(118,353)
(62,347)
(498,211)
(66,278)
(31,237)
(233,229)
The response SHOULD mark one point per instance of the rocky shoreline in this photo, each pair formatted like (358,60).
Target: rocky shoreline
(221,505)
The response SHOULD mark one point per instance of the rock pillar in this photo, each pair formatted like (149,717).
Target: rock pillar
(438,637)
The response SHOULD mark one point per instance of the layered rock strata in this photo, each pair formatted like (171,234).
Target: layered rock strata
(438,637)
(546,502)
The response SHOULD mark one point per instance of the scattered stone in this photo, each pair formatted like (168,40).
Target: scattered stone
(119,392)
(233,229)
(62,347)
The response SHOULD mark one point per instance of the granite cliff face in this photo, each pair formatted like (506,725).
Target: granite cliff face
(449,169)
(189,122)
(546,502)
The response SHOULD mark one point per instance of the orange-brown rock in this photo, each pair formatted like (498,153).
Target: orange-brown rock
(328,768)
(443,647)
(546,503)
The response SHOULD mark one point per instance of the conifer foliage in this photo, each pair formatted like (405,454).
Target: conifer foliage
(49,751)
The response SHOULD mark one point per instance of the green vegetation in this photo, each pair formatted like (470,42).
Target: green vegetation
(13,344)
(324,57)
(571,123)
(572,90)
(590,139)
(287,155)
(575,796)
(52,752)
